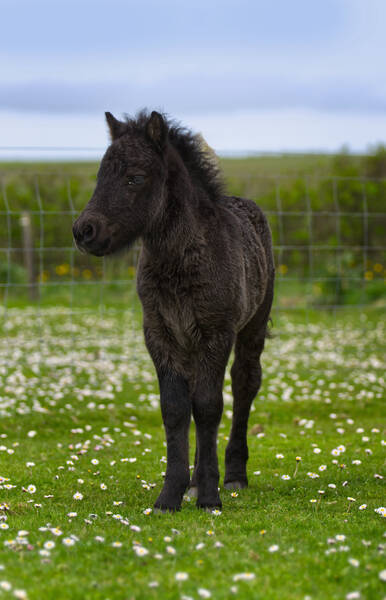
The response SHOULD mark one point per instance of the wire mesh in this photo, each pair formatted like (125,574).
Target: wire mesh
(329,252)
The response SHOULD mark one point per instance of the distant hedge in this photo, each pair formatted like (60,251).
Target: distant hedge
(327,214)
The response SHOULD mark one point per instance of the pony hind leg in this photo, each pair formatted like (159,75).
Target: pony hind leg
(246,381)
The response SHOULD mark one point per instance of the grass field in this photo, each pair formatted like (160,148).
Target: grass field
(82,456)
(82,450)
(284,164)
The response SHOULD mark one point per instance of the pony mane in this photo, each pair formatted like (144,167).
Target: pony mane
(198,157)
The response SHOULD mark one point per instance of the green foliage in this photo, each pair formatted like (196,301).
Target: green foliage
(375,163)
(11,272)
(326,214)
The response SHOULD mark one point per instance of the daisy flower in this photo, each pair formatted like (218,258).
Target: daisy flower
(353,562)
(78,496)
(244,577)
(140,550)
(204,593)
(68,541)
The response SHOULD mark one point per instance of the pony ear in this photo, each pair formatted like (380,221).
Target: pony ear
(117,128)
(157,130)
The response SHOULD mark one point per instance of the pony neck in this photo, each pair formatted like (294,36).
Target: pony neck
(176,226)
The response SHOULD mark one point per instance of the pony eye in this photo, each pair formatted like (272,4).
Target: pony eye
(136,179)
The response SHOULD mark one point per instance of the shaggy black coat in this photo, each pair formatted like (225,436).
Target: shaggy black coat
(205,280)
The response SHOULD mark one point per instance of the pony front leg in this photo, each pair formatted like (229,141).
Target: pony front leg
(176,415)
(207,405)
(207,411)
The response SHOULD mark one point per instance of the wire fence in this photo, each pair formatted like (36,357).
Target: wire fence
(328,241)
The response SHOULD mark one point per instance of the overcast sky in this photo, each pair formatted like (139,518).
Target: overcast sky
(259,75)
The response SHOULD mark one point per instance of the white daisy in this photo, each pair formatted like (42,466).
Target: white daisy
(68,541)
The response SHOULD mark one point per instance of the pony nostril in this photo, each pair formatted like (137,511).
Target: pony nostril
(85,233)
(88,232)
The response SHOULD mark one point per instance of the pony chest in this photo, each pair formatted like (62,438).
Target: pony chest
(172,305)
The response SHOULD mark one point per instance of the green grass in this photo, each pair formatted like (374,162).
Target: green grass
(88,390)
(285,164)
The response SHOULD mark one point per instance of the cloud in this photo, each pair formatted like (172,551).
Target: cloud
(264,130)
(77,58)
(89,55)
(192,93)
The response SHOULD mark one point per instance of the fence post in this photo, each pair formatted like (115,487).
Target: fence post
(28,247)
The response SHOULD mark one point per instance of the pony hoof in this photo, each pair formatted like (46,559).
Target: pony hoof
(165,511)
(193,491)
(210,509)
(160,511)
(235,485)
(209,505)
